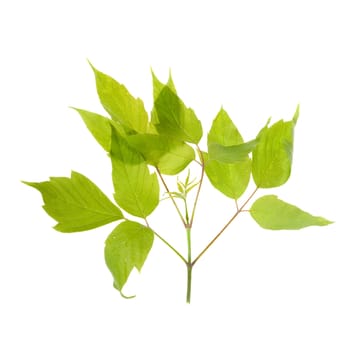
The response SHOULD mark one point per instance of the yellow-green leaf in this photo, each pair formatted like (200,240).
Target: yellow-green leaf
(174,119)
(120,104)
(126,248)
(99,126)
(272,156)
(76,203)
(230,178)
(136,190)
(274,214)
(170,156)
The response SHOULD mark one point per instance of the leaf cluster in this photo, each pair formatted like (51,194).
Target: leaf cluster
(142,149)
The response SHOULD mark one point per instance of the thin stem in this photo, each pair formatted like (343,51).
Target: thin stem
(168,244)
(224,228)
(200,184)
(189,279)
(215,238)
(186,214)
(171,247)
(188,265)
(188,233)
(171,196)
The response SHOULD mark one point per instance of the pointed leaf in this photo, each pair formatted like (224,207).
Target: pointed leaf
(231,179)
(272,157)
(189,188)
(223,131)
(126,248)
(158,86)
(99,126)
(168,155)
(136,190)
(174,119)
(120,104)
(274,214)
(180,187)
(76,203)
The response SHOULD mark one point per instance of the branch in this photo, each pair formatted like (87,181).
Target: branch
(225,227)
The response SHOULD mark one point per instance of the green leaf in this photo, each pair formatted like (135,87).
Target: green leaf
(171,117)
(274,214)
(223,131)
(136,190)
(272,156)
(168,155)
(231,154)
(231,179)
(120,104)
(76,203)
(158,86)
(126,248)
(99,126)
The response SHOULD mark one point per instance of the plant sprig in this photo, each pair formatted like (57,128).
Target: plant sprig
(168,142)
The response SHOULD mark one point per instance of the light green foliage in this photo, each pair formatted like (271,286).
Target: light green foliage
(170,156)
(183,188)
(143,150)
(272,213)
(126,248)
(76,203)
(175,119)
(99,126)
(158,86)
(229,178)
(120,104)
(231,154)
(272,156)
(136,190)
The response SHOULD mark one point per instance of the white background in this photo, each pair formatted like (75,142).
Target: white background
(254,289)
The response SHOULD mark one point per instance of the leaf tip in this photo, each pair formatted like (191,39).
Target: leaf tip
(90,63)
(31,184)
(296,114)
(152,73)
(325,222)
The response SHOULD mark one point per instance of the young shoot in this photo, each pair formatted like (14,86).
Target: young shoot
(143,149)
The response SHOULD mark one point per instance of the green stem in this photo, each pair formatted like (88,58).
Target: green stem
(200,184)
(170,246)
(171,196)
(224,228)
(189,265)
(189,278)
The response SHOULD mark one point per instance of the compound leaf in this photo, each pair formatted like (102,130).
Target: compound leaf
(136,190)
(126,248)
(76,203)
(274,214)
